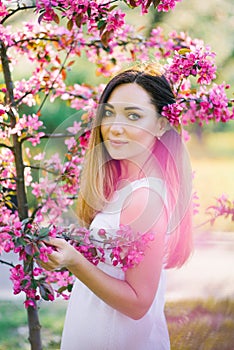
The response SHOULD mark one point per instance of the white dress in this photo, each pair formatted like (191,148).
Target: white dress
(90,323)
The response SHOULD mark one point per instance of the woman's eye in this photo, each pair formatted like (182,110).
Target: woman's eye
(107,113)
(133,116)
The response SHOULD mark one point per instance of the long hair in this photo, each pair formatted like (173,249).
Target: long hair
(100,171)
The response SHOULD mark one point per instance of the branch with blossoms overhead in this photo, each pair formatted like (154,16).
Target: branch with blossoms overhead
(101,16)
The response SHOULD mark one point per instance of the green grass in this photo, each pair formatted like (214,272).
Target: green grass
(14,329)
(193,325)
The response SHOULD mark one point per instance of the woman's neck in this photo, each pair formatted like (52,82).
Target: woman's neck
(131,171)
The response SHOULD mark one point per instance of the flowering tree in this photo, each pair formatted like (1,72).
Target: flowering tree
(96,29)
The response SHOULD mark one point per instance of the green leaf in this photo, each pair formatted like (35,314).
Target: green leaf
(89,12)
(101,24)
(69,287)
(62,289)
(43,233)
(112,8)
(25,221)
(20,241)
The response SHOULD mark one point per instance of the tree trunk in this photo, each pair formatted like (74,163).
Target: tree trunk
(22,203)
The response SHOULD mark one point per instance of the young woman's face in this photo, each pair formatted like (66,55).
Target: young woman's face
(130,123)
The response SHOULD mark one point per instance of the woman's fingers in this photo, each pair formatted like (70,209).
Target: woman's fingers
(49,266)
(53,256)
(55,242)
(61,255)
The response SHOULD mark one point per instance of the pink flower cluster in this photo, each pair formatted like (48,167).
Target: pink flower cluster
(208,105)
(194,61)
(223,207)
(9,222)
(173,114)
(125,250)
(166,5)
(7,169)
(202,107)
(99,17)
(23,282)
(3,10)
(95,14)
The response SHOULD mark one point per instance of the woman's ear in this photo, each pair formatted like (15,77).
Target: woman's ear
(163,126)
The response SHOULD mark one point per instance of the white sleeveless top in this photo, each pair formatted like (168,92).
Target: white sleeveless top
(90,323)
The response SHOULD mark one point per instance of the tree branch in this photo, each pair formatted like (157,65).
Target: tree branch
(33,39)
(13,12)
(47,136)
(6,146)
(6,263)
(26,94)
(5,124)
(57,136)
(35,167)
(7,178)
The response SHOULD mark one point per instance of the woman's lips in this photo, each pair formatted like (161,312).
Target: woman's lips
(117,143)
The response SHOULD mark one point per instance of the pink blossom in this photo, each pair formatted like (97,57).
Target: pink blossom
(196,204)
(29,302)
(39,156)
(75,128)
(35,140)
(173,113)
(223,207)
(3,10)
(70,143)
(43,253)
(37,271)
(166,5)
(115,20)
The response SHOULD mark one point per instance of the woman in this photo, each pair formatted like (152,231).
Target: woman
(136,173)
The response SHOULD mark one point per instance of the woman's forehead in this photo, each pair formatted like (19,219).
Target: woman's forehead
(130,94)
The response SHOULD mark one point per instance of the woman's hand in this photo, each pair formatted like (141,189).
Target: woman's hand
(63,254)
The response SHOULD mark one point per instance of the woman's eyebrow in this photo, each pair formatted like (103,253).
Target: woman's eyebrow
(125,108)
(108,105)
(133,107)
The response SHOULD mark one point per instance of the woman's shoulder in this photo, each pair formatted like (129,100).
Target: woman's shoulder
(151,183)
(145,204)
(141,182)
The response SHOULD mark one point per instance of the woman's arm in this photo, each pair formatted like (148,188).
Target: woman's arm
(134,295)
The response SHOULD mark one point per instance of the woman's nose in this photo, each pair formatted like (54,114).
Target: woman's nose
(117,128)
